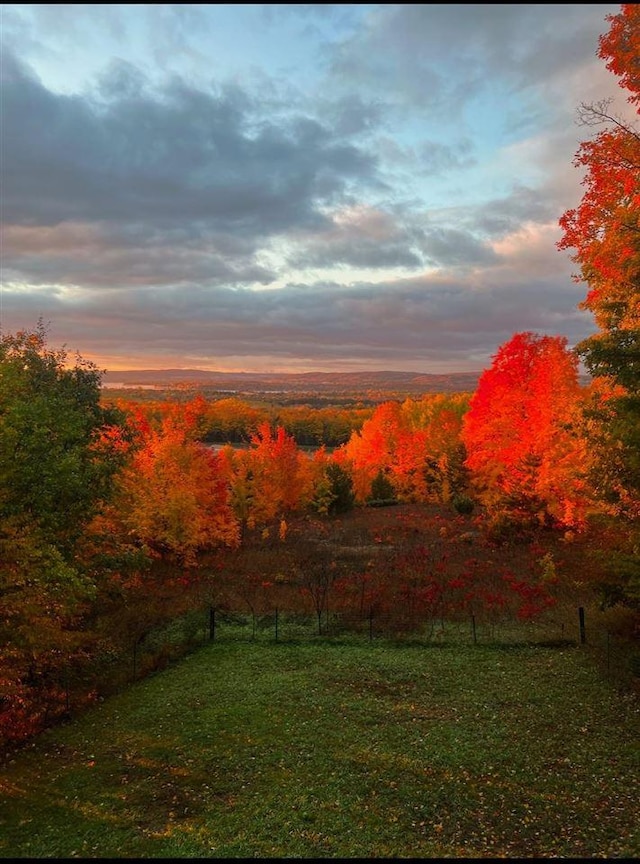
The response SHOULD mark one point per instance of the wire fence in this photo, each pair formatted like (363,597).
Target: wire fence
(616,655)
(110,669)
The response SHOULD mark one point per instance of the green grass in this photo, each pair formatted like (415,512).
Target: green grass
(339,749)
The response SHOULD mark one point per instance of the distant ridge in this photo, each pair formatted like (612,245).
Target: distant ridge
(413,382)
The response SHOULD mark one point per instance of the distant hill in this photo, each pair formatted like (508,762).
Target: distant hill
(296,382)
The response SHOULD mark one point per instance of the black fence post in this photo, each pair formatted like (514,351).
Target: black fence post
(212,623)
(276,623)
(67,696)
(370,624)
(583,638)
(473,626)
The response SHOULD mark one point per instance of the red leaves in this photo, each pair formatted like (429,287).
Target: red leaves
(520,434)
(603,229)
(621,48)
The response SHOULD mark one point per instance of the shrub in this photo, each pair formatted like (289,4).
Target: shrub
(463,505)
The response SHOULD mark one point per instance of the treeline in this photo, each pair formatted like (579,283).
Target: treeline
(232,420)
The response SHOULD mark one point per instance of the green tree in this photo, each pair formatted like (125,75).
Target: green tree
(382,489)
(341,486)
(53,470)
(333,492)
(58,451)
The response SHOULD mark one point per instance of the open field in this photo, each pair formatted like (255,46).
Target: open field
(339,747)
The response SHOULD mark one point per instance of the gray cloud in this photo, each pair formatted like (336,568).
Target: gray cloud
(106,256)
(141,212)
(450,247)
(439,55)
(419,323)
(361,237)
(180,154)
(504,215)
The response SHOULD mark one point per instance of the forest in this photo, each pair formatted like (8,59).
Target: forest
(119,514)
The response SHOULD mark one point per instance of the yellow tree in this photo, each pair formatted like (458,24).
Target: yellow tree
(173,497)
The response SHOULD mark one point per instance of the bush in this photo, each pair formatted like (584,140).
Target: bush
(463,505)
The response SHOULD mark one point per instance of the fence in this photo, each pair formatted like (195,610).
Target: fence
(615,653)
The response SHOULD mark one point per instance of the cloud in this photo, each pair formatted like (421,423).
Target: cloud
(104,256)
(181,153)
(426,322)
(359,237)
(376,186)
(441,55)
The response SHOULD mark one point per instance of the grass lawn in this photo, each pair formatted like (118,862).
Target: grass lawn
(339,749)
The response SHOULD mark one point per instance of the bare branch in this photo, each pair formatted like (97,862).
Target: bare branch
(598,114)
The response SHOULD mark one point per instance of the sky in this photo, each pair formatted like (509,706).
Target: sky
(292,188)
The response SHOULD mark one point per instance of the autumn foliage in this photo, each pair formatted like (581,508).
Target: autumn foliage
(116,517)
(603,234)
(604,230)
(269,479)
(182,524)
(172,497)
(525,453)
(415,445)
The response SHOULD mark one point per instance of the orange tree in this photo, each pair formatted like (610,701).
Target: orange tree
(269,480)
(413,447)
(525,453)
(172,496)
(369,451)
(603,232)
(160,537)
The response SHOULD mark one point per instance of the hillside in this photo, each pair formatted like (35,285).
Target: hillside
(296,382)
